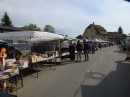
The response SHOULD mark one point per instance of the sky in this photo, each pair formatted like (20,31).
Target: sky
(69,17)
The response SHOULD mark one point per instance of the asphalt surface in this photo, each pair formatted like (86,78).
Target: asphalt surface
(106,74)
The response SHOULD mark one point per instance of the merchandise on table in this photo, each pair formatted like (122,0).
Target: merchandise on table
(11,71)
(11,63)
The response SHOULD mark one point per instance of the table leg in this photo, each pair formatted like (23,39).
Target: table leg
(37,70)
(4,87)
(21,75)
(50,64)
(16,86)
(55,63)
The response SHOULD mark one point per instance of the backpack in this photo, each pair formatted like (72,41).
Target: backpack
(81,46)
(86,47)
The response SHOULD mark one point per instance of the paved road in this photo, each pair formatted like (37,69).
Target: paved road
(106,74)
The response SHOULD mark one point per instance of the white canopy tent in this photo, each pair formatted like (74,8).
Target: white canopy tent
(32,36)
(95,40)
(100,40)
(127,39)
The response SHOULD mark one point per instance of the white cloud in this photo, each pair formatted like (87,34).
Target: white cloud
(69,17)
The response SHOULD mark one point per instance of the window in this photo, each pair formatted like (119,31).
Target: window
(92,36)
(1,31)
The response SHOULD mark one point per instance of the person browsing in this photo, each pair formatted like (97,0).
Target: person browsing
(86,49)
(79,50)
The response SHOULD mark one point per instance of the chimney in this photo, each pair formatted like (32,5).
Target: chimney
(93,23)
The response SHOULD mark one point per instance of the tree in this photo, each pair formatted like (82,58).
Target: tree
(66,35)
(31,27)
(6,20)
(79,36)
(124,35)
(49,28)
(120,30)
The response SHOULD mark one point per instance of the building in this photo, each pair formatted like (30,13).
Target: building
(116,37)
(96,32)
(4,29)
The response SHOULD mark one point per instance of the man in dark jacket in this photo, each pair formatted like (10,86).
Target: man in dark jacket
(86,49)
(100,46)
(72,51)
(79,50)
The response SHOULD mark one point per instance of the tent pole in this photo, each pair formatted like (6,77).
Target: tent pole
(59,49)
(30,45)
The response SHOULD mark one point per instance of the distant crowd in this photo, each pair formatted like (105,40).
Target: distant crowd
(86,47)
(125,47)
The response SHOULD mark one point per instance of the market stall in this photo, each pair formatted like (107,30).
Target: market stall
(37,37)
(7,76)
(33,37)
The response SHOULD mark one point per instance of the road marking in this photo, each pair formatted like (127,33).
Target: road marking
(92,66)
(95,63)
(102,55)
(88,71)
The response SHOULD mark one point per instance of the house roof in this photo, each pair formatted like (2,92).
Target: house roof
(97,29)
(115,34)
(11,28)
